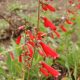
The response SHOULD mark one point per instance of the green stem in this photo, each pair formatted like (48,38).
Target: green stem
(38,23)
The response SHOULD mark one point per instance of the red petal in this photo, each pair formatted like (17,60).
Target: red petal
(31,43)
(49,52)
(31,52)
(68,21)
(48,23)
(41,53)
(58,35)
(30,35)
(51,70)
(18,40)
(44,72)
(40,35)
(51,8)
(20,58)
(63,28)
(44,7)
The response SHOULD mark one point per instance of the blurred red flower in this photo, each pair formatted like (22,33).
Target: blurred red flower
(44,71)
(48,23)
(51,70)
(18,40)
(48,51)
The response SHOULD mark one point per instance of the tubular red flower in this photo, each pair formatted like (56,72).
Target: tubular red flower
(44,7)
(44,72)
(40,35)
(63,28)
(31,52)
(31,43)
(58,35)
(68,21)
(26,53)
(48,23)
(30,35)
(48,51)
(51,70)
(11,56)
(20,58)
(41,53)
(18,40)
(51,8)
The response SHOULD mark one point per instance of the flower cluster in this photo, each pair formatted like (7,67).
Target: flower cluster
(35,40)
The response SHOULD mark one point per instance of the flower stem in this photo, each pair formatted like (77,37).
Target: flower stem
(38,26)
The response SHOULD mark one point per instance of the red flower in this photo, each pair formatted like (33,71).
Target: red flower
(78,6)
(40,35)
(44,7)
(68,21)
(44,72)
(41,53)
(31,43)
(48,23)
(63,28)
(20,58)
(26,54)
(18,40)
(12,56)
(51,70)
(21,28)
(31,52)
(58,35)
(30,34)
(51,8)
(48,51)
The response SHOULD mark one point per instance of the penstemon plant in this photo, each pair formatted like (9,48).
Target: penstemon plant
(31,56)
